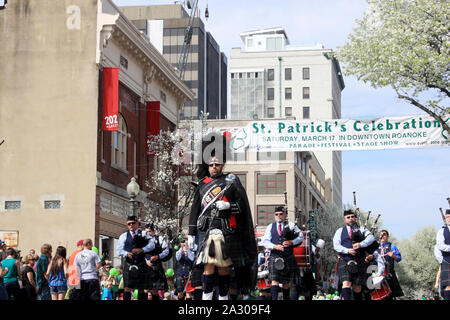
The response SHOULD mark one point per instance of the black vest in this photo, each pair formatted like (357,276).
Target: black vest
(276,239)
(184,265)
(347,242)
(390,261)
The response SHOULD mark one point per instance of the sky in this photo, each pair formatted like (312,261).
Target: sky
(406,186)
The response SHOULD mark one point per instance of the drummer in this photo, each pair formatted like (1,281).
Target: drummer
(282,264)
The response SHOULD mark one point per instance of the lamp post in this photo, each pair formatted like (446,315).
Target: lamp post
(133,191)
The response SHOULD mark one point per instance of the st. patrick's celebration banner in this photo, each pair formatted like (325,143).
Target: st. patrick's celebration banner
(339,134)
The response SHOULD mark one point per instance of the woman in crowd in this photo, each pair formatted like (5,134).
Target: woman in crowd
(57,274)
(29,277)
(11,279)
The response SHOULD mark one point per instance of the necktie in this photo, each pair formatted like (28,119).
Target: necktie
(351,232)
(279,229)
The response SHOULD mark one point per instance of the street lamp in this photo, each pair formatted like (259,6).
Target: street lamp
(133,191)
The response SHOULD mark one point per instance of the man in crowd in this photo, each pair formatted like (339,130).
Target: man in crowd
(185,260)
(74,278)
(87,263)
(281,237)
(41,270)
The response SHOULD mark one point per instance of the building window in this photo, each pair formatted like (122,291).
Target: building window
(271,183)
(52,204)
(288,111)
(265,214)
(238,156)
(162,95)
(119,145)
(305,73)
(270,74)
(123,62)
(270,93)
(12,205)
(305,92)
(243,179)
(249,42)
(270,156)
(288,74)
(270,112)
(305,112)
(287,93)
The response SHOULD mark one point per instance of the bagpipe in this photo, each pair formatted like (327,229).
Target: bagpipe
(140,240)
(214,213)
(443,215)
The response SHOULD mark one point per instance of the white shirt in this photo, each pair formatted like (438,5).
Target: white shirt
(341,249)
(86,262)
(121,244)
(440,241)
(267,238)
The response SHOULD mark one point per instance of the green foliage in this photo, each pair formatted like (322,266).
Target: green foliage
(418,268)
(404,44)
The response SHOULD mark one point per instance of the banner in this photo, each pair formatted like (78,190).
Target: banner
(339,134)
(153,125)
(110,99)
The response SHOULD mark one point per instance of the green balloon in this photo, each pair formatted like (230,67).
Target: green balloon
(180,237)
(114,272)
(169,272)
(329,296)
(95,250)
(136,293)
(176,247)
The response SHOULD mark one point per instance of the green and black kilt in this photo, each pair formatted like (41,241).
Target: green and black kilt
(358,278)
(156,277)
(135,276)
(290,273)
(445,273)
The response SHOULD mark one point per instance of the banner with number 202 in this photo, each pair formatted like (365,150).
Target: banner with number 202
(110,99)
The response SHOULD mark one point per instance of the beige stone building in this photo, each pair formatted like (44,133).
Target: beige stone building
(62,178)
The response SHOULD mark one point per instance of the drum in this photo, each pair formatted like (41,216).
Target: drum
(302,253)
(383,292)
(263,280)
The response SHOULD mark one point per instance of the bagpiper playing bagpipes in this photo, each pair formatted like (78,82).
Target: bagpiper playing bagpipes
(443,245)
(221,222)
(281,237)
(353,243)
(133,246)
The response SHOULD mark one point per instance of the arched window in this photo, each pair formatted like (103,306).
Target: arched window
(119,145)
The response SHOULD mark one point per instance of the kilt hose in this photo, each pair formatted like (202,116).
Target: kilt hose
(290,273)
(445,273)
(358,278)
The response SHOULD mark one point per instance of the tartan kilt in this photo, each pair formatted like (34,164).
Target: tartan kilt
(358,278)
(445,273)
(156,277)
(135,280)
(290,273)
(234,245)
(180,283)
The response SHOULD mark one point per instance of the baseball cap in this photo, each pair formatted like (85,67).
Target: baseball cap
(80,243)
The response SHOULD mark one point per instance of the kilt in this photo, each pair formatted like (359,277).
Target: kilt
(156,277)
(445,273)
(290,273)
(180,282)
(196,276)
(136,276)
(358,278)
(236,249)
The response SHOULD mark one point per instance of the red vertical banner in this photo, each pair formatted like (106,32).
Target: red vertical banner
(152,124)
(110,99)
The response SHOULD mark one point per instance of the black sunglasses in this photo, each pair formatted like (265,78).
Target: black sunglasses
(214,164)
(131,223)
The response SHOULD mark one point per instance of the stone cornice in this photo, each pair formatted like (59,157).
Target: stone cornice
(155,66)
